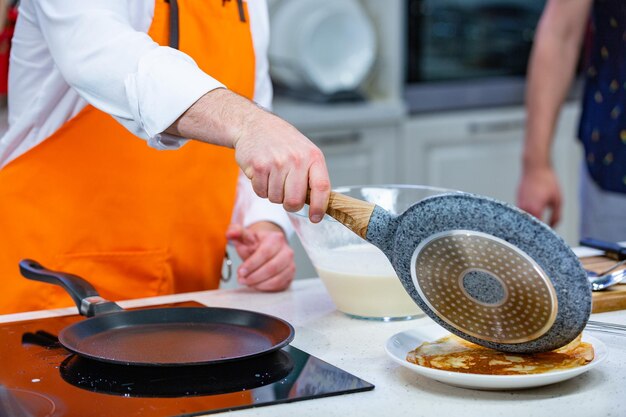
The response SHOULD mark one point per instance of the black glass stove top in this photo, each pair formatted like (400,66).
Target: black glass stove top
(38,377)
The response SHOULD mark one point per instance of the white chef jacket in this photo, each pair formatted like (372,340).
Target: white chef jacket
(68,53)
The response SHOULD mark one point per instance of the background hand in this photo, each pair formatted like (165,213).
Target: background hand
(268,263)
(539,190)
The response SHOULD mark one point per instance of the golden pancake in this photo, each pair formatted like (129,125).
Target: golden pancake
(451,353)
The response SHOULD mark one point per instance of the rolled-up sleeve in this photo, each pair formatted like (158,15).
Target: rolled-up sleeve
(119,69)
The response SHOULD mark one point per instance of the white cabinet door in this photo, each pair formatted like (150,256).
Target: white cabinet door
(480,151)
(477,152)
(483,167)
(359,156)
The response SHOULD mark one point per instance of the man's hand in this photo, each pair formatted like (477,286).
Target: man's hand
(280,161)
(282,164)
(539,190)
(268,263)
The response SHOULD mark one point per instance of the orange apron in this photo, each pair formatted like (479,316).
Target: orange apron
(96,201)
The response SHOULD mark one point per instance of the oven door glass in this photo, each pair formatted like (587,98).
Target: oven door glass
(470,39)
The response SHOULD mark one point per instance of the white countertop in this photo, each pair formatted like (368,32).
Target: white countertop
(357,346)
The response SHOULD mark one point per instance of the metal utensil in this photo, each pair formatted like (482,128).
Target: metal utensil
(592,274)
(612,328)
(603,282)
(481,268)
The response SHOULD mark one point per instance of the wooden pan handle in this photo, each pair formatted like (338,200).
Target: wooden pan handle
(351,212)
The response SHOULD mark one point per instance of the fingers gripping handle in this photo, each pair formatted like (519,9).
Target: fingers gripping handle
(353,213)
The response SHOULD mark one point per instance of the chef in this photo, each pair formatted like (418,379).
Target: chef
(80,192)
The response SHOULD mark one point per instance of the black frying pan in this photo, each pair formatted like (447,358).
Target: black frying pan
(161,336)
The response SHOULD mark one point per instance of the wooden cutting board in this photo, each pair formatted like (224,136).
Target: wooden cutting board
(611,299)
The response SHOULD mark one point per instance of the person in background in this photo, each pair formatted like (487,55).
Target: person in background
(602,128)
(79,192)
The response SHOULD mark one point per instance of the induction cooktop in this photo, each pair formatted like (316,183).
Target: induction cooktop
(38,377)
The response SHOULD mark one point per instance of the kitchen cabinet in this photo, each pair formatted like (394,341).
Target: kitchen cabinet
(479,151)
(359,140)
(360,156)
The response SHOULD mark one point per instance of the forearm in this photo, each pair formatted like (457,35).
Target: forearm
(208,119)
(550,76)
(551,70)
(220,117)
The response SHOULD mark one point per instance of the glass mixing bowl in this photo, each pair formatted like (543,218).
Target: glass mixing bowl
(357,275)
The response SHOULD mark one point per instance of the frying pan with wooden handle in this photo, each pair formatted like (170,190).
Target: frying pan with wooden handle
(481,268)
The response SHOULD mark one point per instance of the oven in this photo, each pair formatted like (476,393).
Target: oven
(468,53)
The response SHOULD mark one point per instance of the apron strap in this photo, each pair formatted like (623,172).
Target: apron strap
(174,25)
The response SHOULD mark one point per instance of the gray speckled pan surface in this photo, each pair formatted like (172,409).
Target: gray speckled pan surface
(398,236)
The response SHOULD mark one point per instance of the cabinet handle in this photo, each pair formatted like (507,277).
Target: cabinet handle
(350,138)
(499,126)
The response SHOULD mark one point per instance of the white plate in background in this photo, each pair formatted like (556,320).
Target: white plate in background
(401,343)
(328,45)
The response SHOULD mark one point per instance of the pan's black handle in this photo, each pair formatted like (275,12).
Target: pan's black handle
(612,250)
(85,296)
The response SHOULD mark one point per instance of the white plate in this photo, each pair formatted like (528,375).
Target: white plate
(400,344)
(329,45)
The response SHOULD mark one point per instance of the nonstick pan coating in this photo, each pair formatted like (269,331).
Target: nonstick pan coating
(160,336)
(399,236)
(176,336)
